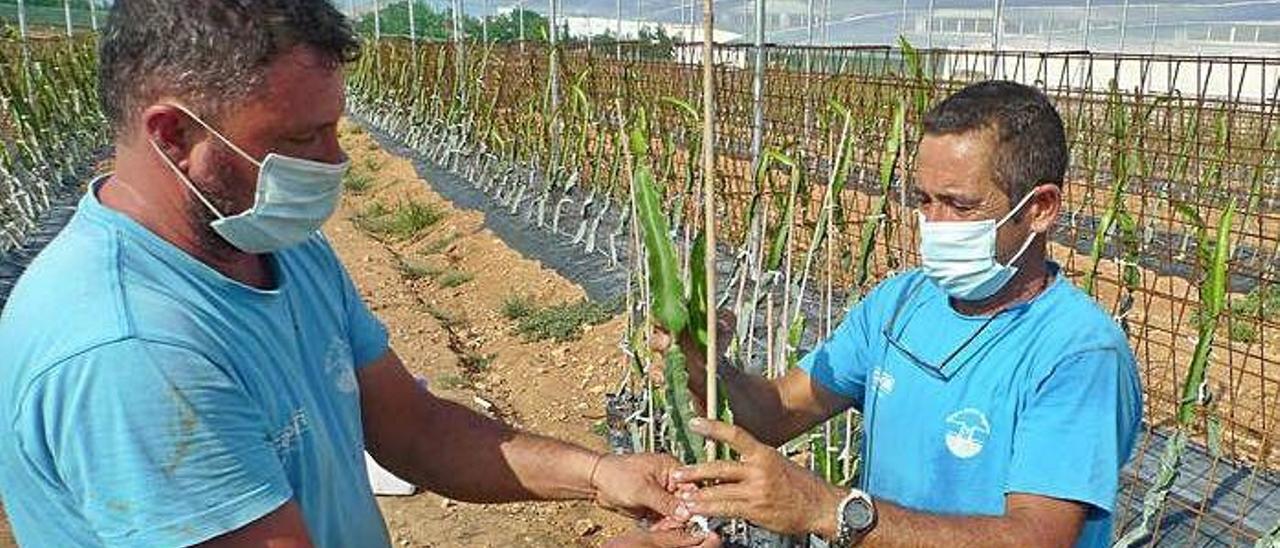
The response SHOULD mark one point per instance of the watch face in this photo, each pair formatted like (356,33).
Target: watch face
(858,514)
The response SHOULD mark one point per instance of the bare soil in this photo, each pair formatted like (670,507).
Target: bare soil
(441,333)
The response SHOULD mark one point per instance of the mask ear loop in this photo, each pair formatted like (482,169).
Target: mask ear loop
(1021,204)
(1025,246)
(185,180)
(1030,238)
(215,132)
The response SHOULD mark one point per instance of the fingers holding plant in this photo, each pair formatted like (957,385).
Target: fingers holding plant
(636,485)
(762,487)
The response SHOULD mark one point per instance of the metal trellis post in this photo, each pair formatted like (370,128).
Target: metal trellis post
(902,20)
(1124,23)
(929,32)
(459,59)
(997,22)
(826,22)
(66,13)
(808,55)
(22,20)
(1049,42)
(413,25)
(1155,25)
(1088,21)
(757,87)
(554,77)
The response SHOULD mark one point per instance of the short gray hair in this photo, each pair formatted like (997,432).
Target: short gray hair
(1031,144)
(210,53)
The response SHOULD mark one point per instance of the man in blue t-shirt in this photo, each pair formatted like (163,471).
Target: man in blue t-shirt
(188,362)
(998,402)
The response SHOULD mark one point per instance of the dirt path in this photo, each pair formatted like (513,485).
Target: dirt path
(458,338)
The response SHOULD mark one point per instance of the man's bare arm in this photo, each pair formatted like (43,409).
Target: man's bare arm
(462,454)
(1029,520)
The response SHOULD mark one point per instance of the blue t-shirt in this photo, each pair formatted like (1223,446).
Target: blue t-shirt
(1044,399)
(148,400)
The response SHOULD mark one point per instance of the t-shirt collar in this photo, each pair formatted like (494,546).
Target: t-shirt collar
(94,209)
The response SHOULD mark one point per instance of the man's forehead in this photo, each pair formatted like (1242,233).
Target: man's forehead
(302,62)
(301,86)
(955,162)
(978,142)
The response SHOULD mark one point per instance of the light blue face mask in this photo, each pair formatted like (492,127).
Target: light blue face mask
(960,256)
(293,200)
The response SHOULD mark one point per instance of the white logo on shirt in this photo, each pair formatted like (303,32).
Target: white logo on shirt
(287,437)
(338,364)
(968,431)
(883,381)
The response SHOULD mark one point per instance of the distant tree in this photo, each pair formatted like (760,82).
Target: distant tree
(429,23)
(656,35)
(660,43)
(506,27)
(437,25)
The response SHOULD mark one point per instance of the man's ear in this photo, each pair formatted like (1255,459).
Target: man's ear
(1044,208)
(172,131)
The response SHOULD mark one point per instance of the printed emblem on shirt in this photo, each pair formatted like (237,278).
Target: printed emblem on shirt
(287,437)
(967,432)
(338,365)
(883,380)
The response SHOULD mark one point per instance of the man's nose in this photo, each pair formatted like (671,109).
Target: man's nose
(332,152)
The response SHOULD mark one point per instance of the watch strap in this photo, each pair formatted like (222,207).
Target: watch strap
(847,534)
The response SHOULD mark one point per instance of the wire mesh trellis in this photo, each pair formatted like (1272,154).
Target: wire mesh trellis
(51,131)
(1164,141)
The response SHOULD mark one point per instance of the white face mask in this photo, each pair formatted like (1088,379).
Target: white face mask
(960,256)
(294,198)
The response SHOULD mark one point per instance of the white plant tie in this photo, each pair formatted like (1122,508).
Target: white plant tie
(1203,395)
(1125,262)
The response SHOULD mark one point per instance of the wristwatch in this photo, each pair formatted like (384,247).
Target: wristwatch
(855,518)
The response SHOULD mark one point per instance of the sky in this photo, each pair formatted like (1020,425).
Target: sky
(1238,27)
(1167,26)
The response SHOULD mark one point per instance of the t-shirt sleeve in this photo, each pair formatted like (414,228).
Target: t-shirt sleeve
(1075,430)
(153,443)
(368,336)
(840,363)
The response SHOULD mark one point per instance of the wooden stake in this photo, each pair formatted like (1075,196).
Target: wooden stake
(708,208)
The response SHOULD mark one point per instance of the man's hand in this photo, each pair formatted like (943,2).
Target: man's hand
(636,485)
(660,341)
(764,487)
(665,534)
